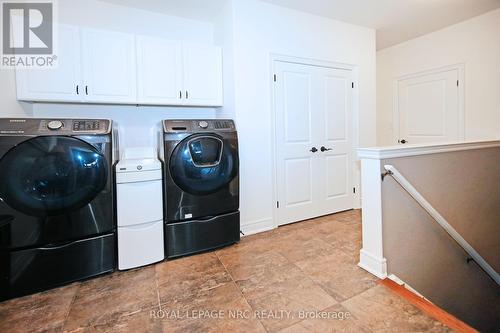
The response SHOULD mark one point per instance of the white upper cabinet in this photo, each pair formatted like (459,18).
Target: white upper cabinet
(174,73)
(159,71)
(202,74)
(109,67)
(99,66)
(62,83)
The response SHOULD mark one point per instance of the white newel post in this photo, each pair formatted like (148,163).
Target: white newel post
(371,255)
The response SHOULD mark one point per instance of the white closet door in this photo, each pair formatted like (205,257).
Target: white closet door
(428,108)
(297,110)
(159,71)
(313,110)
(109,67)
(202,75)
(336,166)
(61,83)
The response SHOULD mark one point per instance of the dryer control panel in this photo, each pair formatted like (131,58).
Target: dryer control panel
(33,126)
(195,126)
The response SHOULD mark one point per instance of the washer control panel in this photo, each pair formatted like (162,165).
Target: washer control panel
(194,126)
(33,126)
(86,125)
(54,125)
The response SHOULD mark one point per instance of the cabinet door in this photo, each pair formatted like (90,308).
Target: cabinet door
(202,75)
(159,71)
(61,83)
(109,67)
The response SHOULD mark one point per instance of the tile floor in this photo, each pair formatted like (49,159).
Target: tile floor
(268,282)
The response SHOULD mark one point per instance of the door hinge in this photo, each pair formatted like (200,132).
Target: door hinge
(275,78)
(354,190)
(352,85)
(277,204)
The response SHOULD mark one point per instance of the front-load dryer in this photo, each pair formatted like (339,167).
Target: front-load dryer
(201,185)
(57,221)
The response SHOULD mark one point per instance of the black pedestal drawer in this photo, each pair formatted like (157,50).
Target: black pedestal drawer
(189,237)
(31,270)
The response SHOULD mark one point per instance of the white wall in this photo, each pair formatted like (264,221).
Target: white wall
(249,31)
(137,125)
(475,43)
(104,15)
(224,37)
(261,29)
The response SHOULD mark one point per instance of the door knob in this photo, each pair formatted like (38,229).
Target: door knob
(403,141)
(323,149)
(313,150)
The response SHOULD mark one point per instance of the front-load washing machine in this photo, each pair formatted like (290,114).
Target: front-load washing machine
(201,185)
(57,221)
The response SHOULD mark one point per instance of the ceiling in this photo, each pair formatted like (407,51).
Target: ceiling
(395,20)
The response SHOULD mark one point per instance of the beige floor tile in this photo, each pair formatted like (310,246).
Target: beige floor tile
(42,312)
(296,250)
(244,264)
(380,310)
(262,283)
(298,226)
(105,300)
(187,277)
(213,310)
(139,322)
(253,244)
(338,274)
(287,295)
(331,320)
(349,216)
(343,236)
(261,279)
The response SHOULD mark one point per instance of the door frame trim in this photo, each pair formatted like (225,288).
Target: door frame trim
(274,57)
(460,67)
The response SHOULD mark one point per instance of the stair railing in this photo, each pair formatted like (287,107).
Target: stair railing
(412,191)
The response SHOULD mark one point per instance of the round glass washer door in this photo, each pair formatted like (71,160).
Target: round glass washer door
(51,175)
(202,164)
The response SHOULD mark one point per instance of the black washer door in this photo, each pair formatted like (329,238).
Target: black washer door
(202,164)
(51,175)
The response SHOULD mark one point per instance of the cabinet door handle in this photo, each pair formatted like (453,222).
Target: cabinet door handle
(77,90)
(187,94)
(180,94)
(86,90)
(323,149)
(313,150)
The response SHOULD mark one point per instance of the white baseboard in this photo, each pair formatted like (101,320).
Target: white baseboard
(374,265)
(396,279)
(255,227)
(406,285)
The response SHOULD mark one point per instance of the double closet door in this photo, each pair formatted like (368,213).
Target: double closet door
(313,107)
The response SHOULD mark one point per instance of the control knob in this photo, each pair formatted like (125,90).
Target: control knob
(54,125)
(203,124)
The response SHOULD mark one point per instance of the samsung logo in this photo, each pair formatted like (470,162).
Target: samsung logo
(17,121)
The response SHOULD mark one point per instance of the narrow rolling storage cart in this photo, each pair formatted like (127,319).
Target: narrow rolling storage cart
(139,200)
